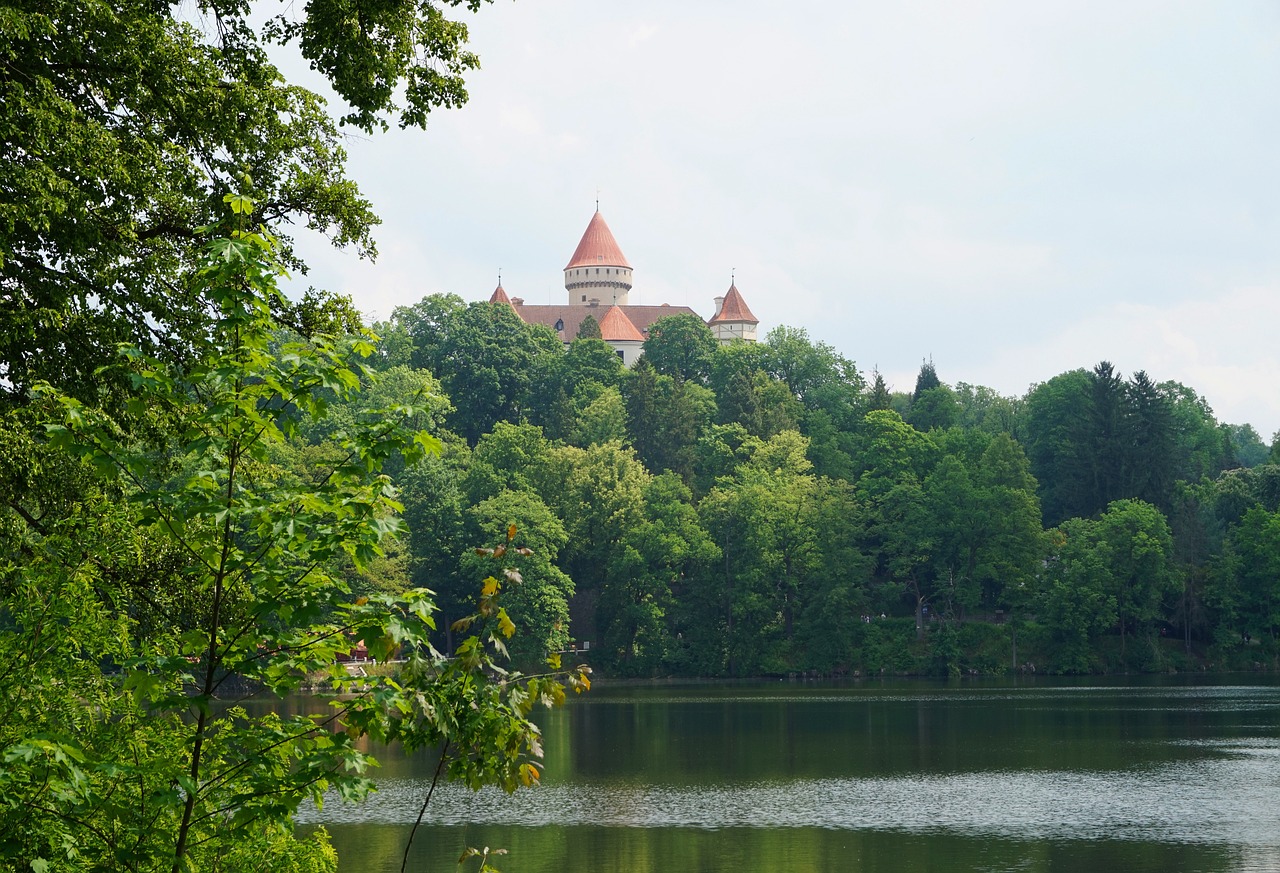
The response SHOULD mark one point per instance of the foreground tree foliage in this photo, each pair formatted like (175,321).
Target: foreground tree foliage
(170,575)
(123,123)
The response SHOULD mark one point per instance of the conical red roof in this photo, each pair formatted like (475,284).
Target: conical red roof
(616,326)
(499,296)
(734,309)
(598,248)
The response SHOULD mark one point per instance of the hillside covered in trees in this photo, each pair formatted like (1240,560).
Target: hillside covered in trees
(762,509)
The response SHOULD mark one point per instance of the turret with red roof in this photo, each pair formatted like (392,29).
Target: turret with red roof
(598,270)
(733,319)
(499,296)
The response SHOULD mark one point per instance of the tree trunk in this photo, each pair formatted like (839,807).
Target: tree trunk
(919,610)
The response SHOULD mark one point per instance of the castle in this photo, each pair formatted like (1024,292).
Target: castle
(598,280)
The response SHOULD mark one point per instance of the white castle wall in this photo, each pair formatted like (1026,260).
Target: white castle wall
(728,331)
(607,284)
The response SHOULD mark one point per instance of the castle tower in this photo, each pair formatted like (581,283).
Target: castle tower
(499,295)
(598,270)
(733,319)
(622,335)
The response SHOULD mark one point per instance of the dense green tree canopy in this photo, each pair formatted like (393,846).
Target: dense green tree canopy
(1249,448)
(479,351)
(681,346)
(124,122)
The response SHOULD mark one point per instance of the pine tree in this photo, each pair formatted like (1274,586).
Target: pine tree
(879,397)
(927,378)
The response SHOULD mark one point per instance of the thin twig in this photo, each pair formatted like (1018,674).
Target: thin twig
(444,753)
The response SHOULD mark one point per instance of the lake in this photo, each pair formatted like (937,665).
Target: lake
(1136,774)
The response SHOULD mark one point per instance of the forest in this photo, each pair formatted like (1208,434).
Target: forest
(768,509)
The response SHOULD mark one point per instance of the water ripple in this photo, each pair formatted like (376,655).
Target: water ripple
(1231,798)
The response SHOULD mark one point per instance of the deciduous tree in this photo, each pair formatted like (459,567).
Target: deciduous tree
(152,774)
(681,346)
(124,124)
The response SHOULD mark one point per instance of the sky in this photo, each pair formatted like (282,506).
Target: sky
(1010,189)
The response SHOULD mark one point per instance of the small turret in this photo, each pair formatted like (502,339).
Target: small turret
(733,319)
(499,296)
(622,335)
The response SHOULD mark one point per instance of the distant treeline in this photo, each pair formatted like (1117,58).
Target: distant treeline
(760,509)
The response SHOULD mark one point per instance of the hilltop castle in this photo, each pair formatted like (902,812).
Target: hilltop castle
(598,280)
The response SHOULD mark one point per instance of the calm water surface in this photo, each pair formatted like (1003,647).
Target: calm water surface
(1156,775)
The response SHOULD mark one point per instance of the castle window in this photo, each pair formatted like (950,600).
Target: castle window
(584,298)
(619,354)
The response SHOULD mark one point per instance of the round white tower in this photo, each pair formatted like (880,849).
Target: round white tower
(598,270)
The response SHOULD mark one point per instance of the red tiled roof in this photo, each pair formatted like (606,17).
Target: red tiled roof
(734,308)
(499,296)
(616,327)
(598,248)
(569,316)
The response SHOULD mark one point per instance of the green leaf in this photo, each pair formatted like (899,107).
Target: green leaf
(239,204)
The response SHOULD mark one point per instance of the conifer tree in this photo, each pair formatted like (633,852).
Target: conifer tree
(926,379)
(879,397)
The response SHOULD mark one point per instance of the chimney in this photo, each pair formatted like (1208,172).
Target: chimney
(518,301)
(719,305)
(594,301)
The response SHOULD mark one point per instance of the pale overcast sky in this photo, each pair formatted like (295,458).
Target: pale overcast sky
(1014,189)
